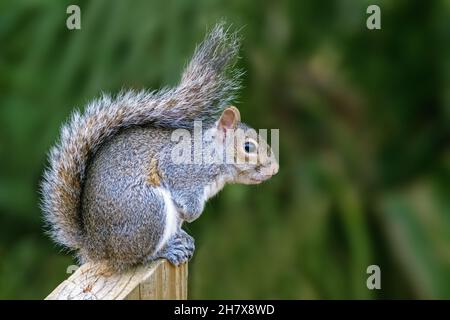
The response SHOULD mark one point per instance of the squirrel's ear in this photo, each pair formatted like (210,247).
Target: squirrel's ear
(229,118)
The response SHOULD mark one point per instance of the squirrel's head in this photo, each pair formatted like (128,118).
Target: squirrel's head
(247,155)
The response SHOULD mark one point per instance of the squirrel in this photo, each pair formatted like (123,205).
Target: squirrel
(111,192)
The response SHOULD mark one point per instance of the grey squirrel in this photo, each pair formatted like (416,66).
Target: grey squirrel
(111,191)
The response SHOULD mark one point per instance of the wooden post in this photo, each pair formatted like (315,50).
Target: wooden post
(156,281)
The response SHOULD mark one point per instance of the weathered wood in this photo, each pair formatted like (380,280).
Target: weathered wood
(158,280)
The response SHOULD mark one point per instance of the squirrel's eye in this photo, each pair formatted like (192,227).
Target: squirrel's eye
(249,147)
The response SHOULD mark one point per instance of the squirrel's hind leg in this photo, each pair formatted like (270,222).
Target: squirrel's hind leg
(179,249)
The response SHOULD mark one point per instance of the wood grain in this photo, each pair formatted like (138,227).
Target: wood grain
(156,281)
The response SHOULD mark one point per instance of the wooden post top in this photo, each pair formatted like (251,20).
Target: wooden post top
(155,281)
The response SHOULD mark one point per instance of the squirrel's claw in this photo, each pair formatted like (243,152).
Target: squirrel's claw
(179,249)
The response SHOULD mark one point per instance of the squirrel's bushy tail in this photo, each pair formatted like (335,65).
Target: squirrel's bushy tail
(208,84)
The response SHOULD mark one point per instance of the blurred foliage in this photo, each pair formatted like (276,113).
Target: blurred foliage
(364,134)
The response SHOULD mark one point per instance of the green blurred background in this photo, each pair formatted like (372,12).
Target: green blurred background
(364,139)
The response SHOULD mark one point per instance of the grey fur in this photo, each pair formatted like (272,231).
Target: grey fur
(97,195)
(205,89)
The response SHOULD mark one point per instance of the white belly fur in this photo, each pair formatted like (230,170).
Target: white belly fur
(172,218)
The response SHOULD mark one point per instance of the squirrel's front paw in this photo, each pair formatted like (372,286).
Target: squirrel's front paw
(186,215)
(179,249)
(189,208)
